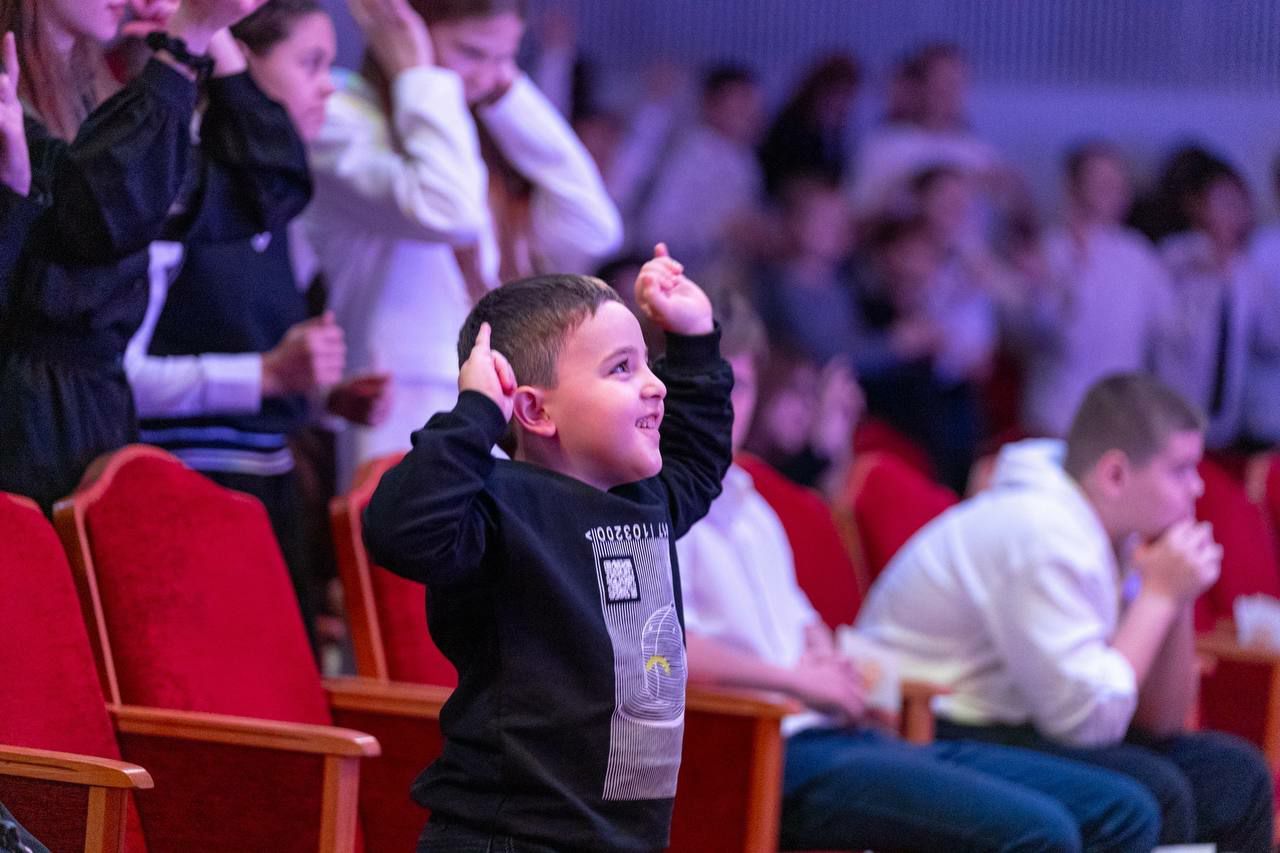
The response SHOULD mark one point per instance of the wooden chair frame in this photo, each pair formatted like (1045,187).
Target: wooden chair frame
(108,781)
(343,749)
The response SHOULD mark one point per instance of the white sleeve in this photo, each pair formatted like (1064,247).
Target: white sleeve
(1055,642)
(571,214)
(186,385)
(433,188)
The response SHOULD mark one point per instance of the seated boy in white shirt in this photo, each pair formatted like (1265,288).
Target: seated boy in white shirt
(846,784)
(1013,600)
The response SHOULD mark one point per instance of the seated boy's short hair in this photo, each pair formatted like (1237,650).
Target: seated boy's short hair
(530,319)
(1131,412)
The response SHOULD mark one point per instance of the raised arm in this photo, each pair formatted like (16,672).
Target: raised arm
(255,158)
(114,184)
(697,425)
(410,168)
(571,212)
(427,520)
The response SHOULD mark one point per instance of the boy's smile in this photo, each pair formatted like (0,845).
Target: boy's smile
(607,405)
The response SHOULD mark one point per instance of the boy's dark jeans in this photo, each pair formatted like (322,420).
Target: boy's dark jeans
(1210,786)
(443,836)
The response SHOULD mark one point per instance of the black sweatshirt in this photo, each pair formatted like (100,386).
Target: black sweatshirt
(559,604)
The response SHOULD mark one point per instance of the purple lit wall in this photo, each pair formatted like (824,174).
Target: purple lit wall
(1146,73)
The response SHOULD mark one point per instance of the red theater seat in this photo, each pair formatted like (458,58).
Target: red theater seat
(192,609)
(888,500)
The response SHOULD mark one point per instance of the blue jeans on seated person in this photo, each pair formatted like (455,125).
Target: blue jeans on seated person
(854,789)
(1212,787)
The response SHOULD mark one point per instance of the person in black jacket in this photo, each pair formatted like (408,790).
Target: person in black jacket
(78,288)
(227,363)
(552,578)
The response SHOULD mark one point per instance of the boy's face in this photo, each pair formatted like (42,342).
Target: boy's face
(607,404)
(1164,490)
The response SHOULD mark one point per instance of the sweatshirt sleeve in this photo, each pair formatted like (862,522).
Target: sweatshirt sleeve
(1056,643)
(113,185)
(254,159)
(429,187)
(427,520)
(697,426)
(571,212)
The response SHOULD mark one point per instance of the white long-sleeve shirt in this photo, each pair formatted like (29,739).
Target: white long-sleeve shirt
(1011,600)
(395,196)
(738,582)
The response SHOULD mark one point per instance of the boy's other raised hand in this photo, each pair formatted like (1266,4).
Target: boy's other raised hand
(670,299)
(490,373)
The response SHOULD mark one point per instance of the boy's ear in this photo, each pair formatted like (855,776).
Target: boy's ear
(528,410)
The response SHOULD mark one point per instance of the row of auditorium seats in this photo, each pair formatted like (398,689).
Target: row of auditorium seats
(171,640)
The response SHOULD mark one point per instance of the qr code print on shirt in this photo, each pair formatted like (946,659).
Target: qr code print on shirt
(620,582)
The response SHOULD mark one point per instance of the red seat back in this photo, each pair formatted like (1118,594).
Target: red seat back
(876,436)
(890,500)
(1249,560)
(51,697)
(1234,696)
(196,604)
(387,613)
(824,568)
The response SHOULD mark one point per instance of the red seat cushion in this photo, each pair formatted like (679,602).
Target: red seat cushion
(891,500)
(196,597)
(52,698)
(824,569)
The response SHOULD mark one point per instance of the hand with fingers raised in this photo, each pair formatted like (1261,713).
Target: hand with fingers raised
(15,164)
(670,299)
(197,21)
(489,372)
(395,33)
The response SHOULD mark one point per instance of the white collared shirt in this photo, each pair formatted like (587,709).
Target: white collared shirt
(739,586)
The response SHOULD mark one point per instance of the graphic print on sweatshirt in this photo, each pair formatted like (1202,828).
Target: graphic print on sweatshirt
(633,569)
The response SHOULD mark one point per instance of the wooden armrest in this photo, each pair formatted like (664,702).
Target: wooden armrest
(71,768)
(713,699)
(916,722)
(1218,646)
(387,697)
(243,731)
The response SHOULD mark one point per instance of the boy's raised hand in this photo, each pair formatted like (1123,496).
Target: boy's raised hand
(670,299)
(489,373)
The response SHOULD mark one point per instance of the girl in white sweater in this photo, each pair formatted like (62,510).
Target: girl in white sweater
(404,219)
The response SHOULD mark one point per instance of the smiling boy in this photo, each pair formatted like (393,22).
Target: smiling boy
(552,578)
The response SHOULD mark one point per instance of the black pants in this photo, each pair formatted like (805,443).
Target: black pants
(445,836)
(1211,787)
